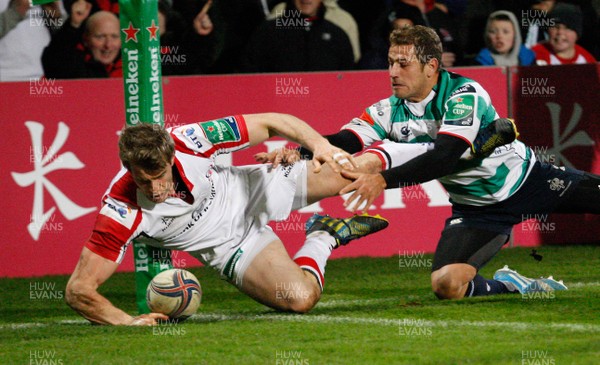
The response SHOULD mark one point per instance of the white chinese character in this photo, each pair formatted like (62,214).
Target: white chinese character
(67,160)
(567,139)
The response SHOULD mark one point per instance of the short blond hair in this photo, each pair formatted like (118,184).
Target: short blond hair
(147,146)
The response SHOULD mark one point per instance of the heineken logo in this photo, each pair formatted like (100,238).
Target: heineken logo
(131,33)
(141,64)
(153,29)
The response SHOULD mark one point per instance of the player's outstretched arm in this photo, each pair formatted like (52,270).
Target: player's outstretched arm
(82,293)
(264,126)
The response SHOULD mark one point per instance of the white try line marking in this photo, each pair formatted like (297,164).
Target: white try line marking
(402,322)
(582,285)
(323,318)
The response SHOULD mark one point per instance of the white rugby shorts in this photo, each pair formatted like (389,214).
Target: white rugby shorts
(262,194)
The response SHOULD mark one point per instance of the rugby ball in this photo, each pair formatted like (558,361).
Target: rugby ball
(175,292)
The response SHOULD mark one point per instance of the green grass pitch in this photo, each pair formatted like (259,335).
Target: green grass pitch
(373,311)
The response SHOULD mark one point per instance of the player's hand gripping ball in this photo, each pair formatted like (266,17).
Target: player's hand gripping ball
(175,292)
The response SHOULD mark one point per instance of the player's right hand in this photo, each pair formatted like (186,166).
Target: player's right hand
(150,319)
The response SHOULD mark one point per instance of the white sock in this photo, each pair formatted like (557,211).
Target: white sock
(313,256)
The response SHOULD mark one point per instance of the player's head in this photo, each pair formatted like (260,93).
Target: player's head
(148,152)
(414,57)
(102,37)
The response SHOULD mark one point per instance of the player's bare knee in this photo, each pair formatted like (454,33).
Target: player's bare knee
(303,300)
(73,295)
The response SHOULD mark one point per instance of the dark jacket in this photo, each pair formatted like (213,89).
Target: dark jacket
(294,42)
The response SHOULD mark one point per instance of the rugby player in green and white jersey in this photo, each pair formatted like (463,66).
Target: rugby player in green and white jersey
(451,115)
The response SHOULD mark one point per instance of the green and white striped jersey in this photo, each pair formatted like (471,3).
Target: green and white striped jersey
(460,107)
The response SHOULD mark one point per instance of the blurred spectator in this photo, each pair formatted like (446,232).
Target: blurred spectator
(503,41)
(536,23)
(10,17)
(86,46)
(472,27)
(561,47)
(432,14)
(337,16)
(438,17)
(365,13)
(400,15)
(186,48)
(21,48)
(300,40)
(97,5)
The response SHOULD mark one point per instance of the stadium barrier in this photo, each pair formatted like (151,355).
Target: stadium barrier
(60,152)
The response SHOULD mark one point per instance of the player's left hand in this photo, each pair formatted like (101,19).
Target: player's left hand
(334,157)
(366,188)
(284,156)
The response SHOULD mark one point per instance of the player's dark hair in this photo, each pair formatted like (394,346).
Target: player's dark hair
(425,40)
(147,146)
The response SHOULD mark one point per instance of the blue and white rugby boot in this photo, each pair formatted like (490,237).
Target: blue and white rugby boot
(556,285)
(346,229)
(517,282)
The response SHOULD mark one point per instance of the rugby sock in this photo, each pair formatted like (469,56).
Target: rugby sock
(479,286)
(313,256)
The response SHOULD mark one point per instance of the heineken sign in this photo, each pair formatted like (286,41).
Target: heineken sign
(141,61)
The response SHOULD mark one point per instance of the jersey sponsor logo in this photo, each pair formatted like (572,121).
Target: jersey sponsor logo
(463,89)
(379,108)
(460,110)
(190,134)
(222,130)
(121,214)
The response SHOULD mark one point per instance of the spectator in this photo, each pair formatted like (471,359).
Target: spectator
(300,40)
(187,48)
(561,47)
(503,41)
(400,15)
(338,16)
(432,14)
(90,50)
(438,16)
(21,48)
(535,22)
(13,15)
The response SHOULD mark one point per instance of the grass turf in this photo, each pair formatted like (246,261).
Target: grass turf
(373,311)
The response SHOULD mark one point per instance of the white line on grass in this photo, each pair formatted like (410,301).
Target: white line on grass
(404,322)
(582,285)
(323,318)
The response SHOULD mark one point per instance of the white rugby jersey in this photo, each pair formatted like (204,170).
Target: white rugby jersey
(460,107)
(188,223)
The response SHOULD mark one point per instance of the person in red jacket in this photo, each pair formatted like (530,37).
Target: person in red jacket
(561,47)
(86,46)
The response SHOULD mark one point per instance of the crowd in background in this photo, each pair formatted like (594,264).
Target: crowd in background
(82,38)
